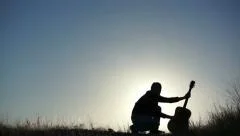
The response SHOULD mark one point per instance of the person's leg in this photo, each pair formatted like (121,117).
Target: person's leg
(138,124)
(155,125)
(156,120)
(142,123)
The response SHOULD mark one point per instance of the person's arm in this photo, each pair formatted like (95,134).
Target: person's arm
(169,100)
(166,116)
(172,99)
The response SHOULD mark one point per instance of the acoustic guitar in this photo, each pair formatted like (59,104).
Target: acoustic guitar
(180,122)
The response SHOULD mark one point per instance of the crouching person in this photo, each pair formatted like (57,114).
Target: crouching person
(146,113)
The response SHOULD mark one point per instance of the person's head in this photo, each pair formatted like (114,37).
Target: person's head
(156,88)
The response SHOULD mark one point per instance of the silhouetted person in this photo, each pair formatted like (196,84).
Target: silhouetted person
(146,112)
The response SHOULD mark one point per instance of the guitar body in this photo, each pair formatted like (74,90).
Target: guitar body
(180,122)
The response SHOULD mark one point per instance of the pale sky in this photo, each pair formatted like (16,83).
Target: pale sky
(90,61)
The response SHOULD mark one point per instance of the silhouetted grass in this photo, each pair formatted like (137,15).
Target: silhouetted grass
(26,129)
(225,120)
(30,129)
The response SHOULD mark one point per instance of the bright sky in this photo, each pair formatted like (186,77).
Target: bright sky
(89,61)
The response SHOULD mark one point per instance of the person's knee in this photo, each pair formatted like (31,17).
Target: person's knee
(157,111)
(159,108)
(156,120)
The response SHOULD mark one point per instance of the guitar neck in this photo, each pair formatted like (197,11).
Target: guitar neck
(186,101)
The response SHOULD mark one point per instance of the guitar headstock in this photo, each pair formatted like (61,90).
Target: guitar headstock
(192,84)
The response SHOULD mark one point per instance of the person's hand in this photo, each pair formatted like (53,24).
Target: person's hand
(188,95)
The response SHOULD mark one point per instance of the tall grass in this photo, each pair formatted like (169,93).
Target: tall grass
(224,120)
(29,129)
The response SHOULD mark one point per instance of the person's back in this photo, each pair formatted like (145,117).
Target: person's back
(146,112)
(146,104)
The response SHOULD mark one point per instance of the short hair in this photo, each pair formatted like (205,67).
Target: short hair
(156,86)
